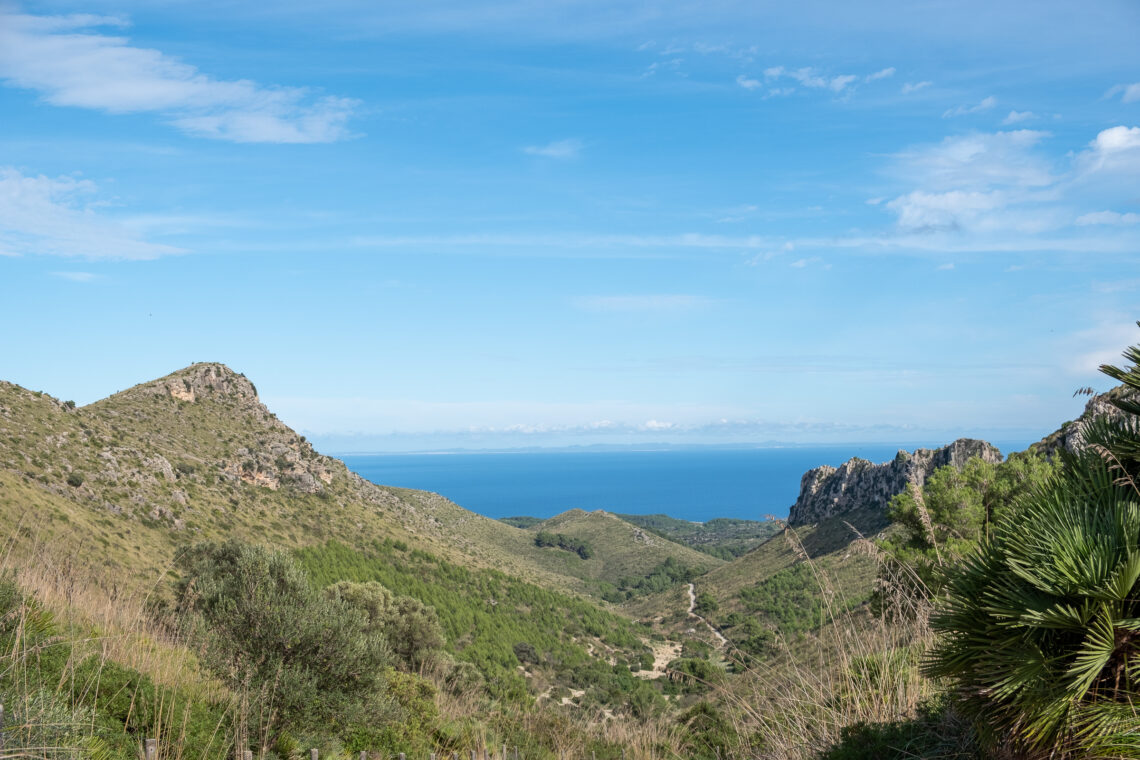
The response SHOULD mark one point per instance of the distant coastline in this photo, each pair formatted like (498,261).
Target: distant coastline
(1006,446)
(695,483)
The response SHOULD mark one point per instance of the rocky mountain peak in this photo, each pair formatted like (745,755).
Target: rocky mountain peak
(199,381)
(828,491)
(206,379)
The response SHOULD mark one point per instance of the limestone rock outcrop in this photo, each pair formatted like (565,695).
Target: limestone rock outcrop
(1071,435)
(828,491)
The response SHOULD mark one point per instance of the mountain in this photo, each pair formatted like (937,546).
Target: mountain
(829,491)
(119,487)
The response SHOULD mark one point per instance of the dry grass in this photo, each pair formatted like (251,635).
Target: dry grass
(858,668)
(101,622)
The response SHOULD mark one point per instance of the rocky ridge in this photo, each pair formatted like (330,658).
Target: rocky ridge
(829,491)
(1071,436)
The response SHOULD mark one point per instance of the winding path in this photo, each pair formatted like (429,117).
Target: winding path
(693,605)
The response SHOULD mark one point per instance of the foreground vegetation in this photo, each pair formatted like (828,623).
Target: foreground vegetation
(990,613)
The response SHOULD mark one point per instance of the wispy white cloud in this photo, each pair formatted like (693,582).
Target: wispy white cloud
(1107,217)
(1018,116)
(560,149)
(76,276)
(984,105)
(1129,93)
(654,302)
(58,217)
(978,161)
(737,213)
(910,87)
(1001,192)
(69,64)
(1101,344)
(747,83)
(925,211)
(809,77)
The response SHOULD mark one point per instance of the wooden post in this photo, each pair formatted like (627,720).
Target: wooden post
(1,726)
(474,756)
(313,754)
(247,754)
(403,757)
(504,752)
(454,756)
(150,749)
(363,754)
(486,754)
(516,752)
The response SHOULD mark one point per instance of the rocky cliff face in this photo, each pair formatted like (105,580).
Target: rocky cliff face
(1071,435)
(828,491)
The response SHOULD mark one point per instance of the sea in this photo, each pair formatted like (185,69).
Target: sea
(695,484)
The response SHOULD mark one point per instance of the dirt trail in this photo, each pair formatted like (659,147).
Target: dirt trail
(693,605)
(664,652)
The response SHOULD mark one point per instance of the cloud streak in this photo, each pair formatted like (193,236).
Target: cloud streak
(57,217)
(559,149)
(984,105)
(61,58)
(1129,93)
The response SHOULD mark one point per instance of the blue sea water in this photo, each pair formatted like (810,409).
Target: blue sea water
(690,484)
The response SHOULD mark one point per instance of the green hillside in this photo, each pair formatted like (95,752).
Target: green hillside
(723,537)
(619,549)
(125,483)
(195,455)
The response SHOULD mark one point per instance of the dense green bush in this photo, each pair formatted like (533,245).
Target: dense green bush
(1041,627)
(296,657)
(408,626)
(569,543)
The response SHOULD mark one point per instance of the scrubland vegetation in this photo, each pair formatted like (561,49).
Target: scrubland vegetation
(992,612)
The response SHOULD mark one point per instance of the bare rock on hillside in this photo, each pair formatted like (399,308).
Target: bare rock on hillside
(828,491)
(1071,436)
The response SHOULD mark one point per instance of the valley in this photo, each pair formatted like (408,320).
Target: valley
(587,629)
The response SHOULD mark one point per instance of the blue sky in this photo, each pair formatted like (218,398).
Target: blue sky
(438,224)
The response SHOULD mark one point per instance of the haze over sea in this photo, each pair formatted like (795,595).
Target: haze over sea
(692,484)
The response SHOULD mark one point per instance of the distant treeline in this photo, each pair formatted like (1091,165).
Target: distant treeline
(560,540)
(666,575)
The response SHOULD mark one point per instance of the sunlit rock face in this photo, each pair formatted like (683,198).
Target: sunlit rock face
(856,484)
